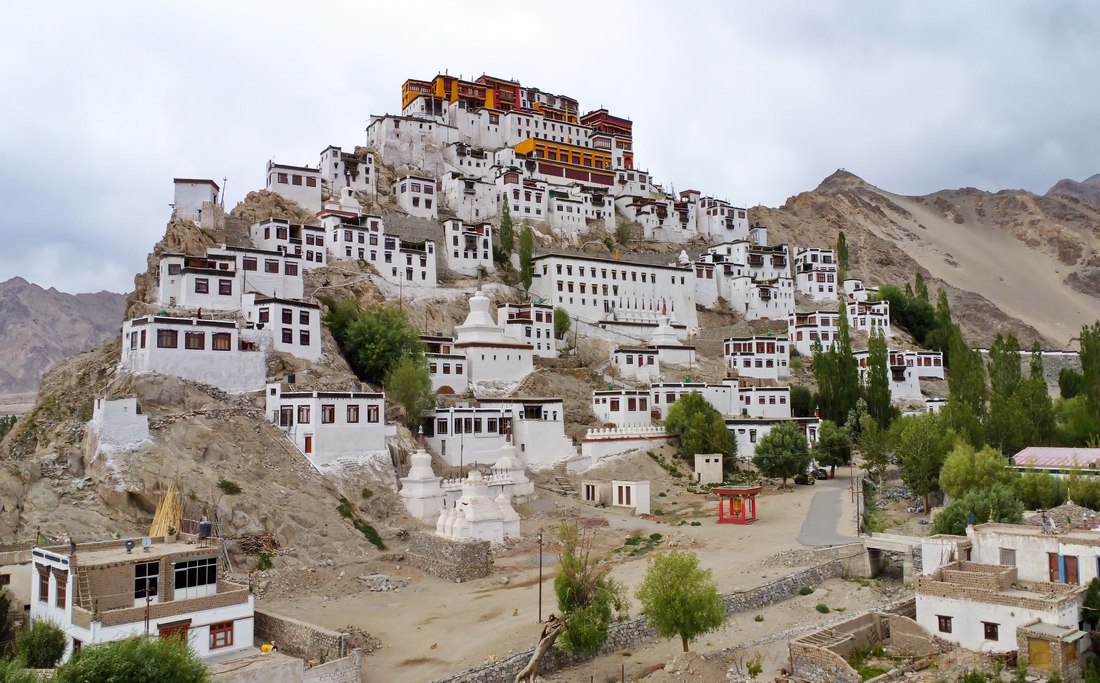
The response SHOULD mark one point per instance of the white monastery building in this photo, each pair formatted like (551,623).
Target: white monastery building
(465,434)
(194,198)
(815,273)
(285,325)
(763,357)
(530,324)
(300,184)
(416,196)
(363,237)
(330,426)
(306,242)
(469,248)
(491,355)
(341,170)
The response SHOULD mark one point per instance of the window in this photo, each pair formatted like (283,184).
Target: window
(146,580)
(288,336)
(62,580)
(311,182)
(271,266)
(225,287)
(303,338)
(944,623)
(167,339)
(221,635)
(265,315)
(1008,556)
(248,263)
(196,341)
(303,415)
(43,584)
(353,414)
(281,177)
(328,414)
(202,285)
(991,630)
(372,413)
(291,269)
(296,180)
(173,269)
(194,573)
(288,316)
(303,317)
(221,341)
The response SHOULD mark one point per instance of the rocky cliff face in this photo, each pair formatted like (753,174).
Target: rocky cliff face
(42,327)
(1010,261)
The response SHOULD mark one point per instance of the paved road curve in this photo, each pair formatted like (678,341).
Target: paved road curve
(820,526)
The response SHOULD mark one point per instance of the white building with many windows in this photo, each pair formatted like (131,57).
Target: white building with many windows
(722,396)
(623,407)
(331,426)
(416,195)
(468,248)
(285,325)
(446,365)
(307,242)
(217,280)
(749,430)
(470,433)
(363,237)
(300,184)
(491,355)
(206,351)
(763,357)
(815,273)
(803,329)
(530,324)
(343,170)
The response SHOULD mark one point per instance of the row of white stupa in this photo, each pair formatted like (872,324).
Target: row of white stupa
(475,514)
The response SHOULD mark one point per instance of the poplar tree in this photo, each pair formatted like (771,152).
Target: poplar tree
(846,368)
(920,287)
(841,256)
(825,375)
(1090,366)
(506,233)
(526,255)
(965,409)
(877,389)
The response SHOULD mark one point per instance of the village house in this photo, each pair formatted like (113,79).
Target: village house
(300,184)
(854,290)
(471,198)
(870,317)
(306,242)
(623,407)
(903,379)
(446,365)
(1055,460)
(763,357)
(466,433)
(194,198)
(803,329)
(468,249)
(723,397)
(114,590)
(637,363)
(217,280)
(530,323)
(749,430)
(342,170)
(331,426)
(815,273)
(527,198)
(363,237)
(416,196)
(206,351)
(284,325)
(412,141)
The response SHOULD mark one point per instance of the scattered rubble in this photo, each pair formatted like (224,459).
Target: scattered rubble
(377,583)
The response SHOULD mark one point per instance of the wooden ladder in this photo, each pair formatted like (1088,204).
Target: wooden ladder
(226,564)
(83,588)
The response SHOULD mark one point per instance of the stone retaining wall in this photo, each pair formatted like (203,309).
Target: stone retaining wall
(447,559)
(299,639)
(345,670)
(629,633)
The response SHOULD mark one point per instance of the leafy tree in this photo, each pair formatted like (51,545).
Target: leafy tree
(506,236)
(1004,366)
(965,409)
(42,645)
(135,660)
(966,470)
(874,446)
(922,444)
(680,598)
(338,315)
(409,385)
(841,256)
(588,598)
(526,254)
(700,428)
(847,371)
(376,340)
(562,322)
(782,453)
(624,233)
(828,381)
(1090,366)
(1083,489)
(919,286)
(802,401)
(5,625)
(1090,609)
(877,389)
(833,447)
(996,503)
(1077,423)
(1039,490)
(855,417)
(910,312)
(1069,383)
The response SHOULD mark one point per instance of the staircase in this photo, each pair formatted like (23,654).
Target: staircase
(562,484)
(83,589)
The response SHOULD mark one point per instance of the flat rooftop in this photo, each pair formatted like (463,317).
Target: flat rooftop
(117,554)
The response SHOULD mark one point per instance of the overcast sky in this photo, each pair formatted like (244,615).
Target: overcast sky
(102,104)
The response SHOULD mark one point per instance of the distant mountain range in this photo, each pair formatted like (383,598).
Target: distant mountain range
(40,327)
(1087,190)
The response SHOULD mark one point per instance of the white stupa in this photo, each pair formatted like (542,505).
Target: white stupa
(491,355)
(476,515)
(420,490)
(511,465)
(669,347)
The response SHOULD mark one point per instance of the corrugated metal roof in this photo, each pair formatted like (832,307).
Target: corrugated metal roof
(1049,456)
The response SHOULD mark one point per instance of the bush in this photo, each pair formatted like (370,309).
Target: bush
(42,645)
(805,590)
(229,488)
(758,617)
(264,562)
(135,660)
(16,671)
(822,607)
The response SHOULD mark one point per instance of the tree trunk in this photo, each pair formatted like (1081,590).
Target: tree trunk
(550,633)
(832,471)
(784,484)
(927,506)
(684,641)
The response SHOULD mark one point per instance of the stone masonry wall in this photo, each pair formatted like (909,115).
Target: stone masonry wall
(299,639)
(815,663)
(345,670)
(447,559)
(629,633)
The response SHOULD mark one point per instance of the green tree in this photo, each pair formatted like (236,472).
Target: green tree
(998,503)
(782,453)
(338,315)
(5,625)
(1090,609)
(1069,382)
(919,286)
(802,401)
(409,385)
(841,256)
(833,446)
(42,645)
(1077,423)
(874,447)
(377,340)
(1039,490)
(506,235)
(562,322)
(922,443)
(135,660)
(700,428)
(526,254)
(588,598)
(680,598)
(965,409)
(828,381)
(966,469)
(877,390)
(16,671)
(847,371)
(1090,366)
(624,233)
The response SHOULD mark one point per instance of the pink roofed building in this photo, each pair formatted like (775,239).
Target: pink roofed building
(1056,460)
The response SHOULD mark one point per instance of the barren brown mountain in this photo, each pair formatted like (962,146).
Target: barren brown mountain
(41,327)
(1010,261)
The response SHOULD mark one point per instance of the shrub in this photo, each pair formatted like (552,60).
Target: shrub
(758,617)
(42,645)
(229,488)
(805,590)
(367,493)
(135,660)
(264,562)
(822,607)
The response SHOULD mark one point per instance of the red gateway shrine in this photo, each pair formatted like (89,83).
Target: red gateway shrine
(742,504)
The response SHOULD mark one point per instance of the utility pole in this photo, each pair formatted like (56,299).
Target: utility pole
(540,577)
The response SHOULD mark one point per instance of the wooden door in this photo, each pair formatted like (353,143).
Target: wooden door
(1052,568)
(309,444)
(1071,569)
(1038,654)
